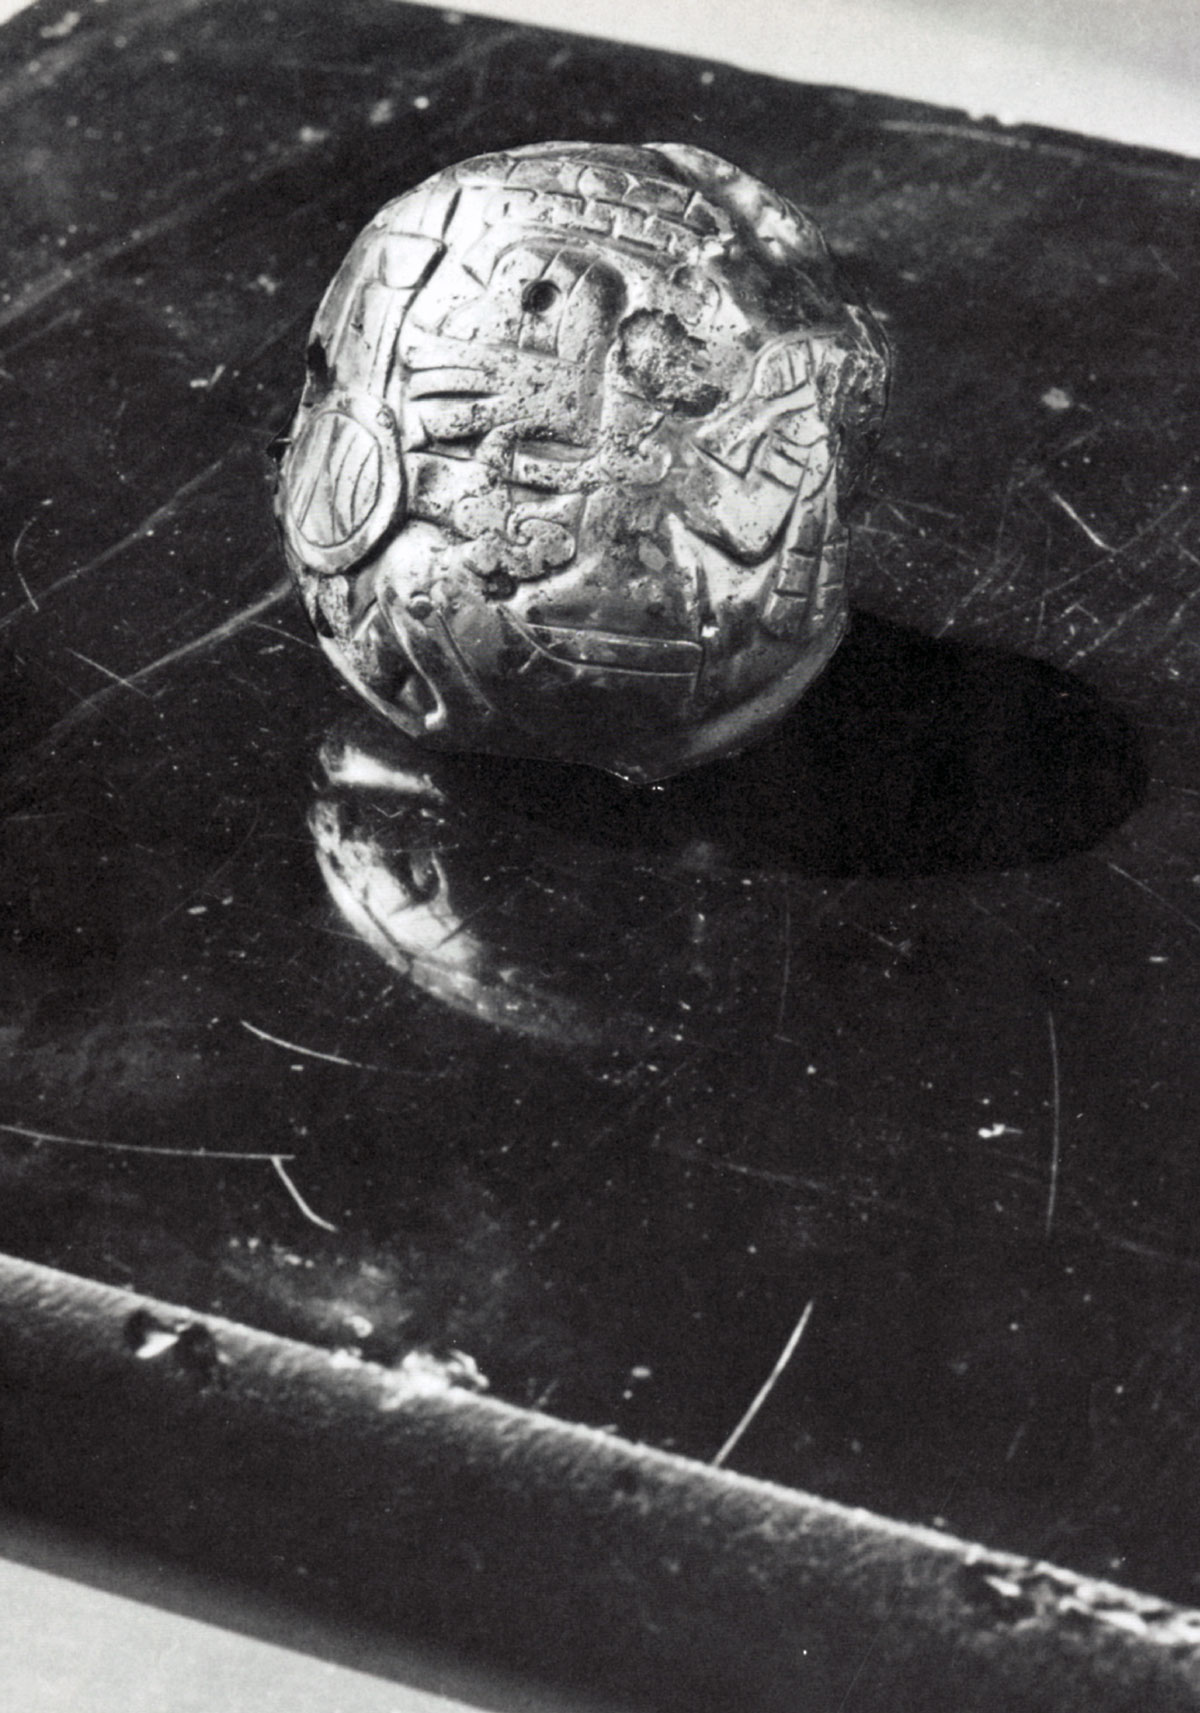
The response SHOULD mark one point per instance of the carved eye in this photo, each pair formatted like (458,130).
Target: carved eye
(540,297)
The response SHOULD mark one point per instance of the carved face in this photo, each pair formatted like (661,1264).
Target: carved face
(564,476)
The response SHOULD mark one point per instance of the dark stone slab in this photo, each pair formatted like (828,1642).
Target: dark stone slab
(895,1014)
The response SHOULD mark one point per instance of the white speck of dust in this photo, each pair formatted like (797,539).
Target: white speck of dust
(707,77)
(55,32)
(420,102)
(1057,398)
(424,1374)
(156,1342)
(310,134)
(383,111)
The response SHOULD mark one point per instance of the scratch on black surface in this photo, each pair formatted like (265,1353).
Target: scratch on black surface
(768,1385)
(1083,573)
(1005,927)
(209,639)
(1107,635)
(489,905)
(70,314)
(1162,263)
(789,1180)
(108,672)
(16,548)
(30,1135)
(279,330)
(923,506)
(308,1052)
(1160,517)
(1055,588)
(1176,618)
(287,635)
(785,974)
(182,211)
(209,882)
(138,533)
(902,948)
(892,535)
(421,79)
(997,564)
(1055,1125)
(277,1160)
(1068,509)
(1157,896)
(60,51)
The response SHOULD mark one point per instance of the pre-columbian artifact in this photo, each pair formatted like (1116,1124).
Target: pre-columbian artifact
(565,476)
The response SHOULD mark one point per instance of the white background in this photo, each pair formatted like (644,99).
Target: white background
(1128,69)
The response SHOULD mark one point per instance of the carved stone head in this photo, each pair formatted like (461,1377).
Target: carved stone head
(564,477)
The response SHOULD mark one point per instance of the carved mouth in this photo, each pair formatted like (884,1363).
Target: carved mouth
(387,665)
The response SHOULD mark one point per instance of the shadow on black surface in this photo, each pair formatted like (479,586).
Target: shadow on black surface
(911,755)
(561,904)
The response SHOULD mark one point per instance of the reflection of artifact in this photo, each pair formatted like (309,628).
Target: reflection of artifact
(564,477)
(390,879)
(511,921)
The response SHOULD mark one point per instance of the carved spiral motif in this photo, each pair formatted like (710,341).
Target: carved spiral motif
(564,478)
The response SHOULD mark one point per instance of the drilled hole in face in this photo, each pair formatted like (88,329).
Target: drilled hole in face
(499,586)
(540,297)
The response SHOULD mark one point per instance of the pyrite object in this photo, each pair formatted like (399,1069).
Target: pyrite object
(564,479)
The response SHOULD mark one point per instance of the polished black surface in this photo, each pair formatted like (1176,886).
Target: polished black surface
(894,1014)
